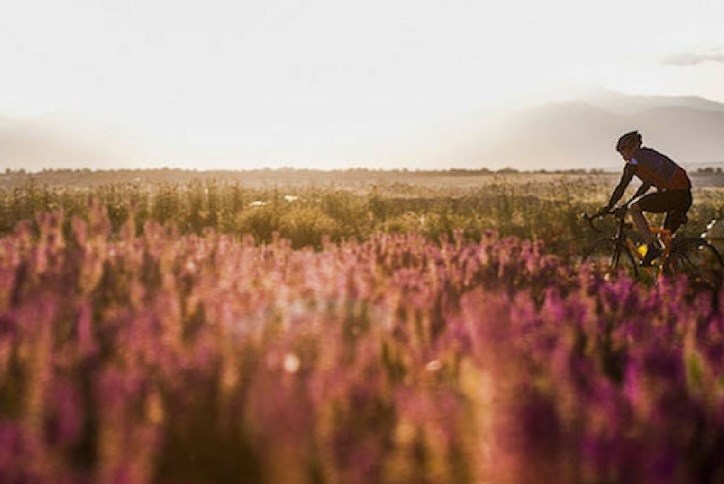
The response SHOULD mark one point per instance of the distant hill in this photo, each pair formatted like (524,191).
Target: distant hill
(34,144)
(628,105)
(61,142)
(693,135)
(577,134)
(582,134)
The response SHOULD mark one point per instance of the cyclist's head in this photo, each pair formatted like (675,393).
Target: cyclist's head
(628,144)
(629,141)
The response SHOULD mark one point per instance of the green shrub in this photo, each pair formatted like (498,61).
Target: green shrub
(308,225)
(259,222)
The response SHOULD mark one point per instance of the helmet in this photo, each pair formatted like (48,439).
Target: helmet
(629,140)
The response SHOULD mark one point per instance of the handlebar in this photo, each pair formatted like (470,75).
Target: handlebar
(591,218)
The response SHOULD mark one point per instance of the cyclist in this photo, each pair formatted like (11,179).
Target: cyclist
(655,170)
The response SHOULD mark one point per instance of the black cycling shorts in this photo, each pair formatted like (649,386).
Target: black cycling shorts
(675,202)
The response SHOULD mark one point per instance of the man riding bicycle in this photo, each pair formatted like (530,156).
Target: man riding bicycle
(655,170)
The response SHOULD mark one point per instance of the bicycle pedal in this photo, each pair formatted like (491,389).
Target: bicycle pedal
(652,254)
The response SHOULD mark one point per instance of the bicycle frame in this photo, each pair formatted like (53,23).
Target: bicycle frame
(667,241)
(677,257)
(621,238)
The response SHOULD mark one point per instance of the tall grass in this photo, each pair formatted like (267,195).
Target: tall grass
(538,210)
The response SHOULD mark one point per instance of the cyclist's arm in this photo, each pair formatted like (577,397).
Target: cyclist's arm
(628,173)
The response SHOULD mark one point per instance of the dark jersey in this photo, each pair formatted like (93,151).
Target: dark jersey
(654,169)
(658,170)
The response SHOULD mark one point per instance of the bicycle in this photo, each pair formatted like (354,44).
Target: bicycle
(693,256)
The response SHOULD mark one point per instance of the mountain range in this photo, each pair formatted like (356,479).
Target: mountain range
(578,133)
(582,133)
(47,142)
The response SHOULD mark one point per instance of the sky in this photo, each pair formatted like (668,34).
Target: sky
(332,83)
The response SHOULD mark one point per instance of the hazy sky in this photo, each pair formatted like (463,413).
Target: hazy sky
(334,83)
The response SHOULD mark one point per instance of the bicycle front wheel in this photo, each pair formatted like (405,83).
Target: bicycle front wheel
(606,257)
(699,260)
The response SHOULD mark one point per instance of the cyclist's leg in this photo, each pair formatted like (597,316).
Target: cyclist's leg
(677,215)
(653,202)
(642,225)
(676,201)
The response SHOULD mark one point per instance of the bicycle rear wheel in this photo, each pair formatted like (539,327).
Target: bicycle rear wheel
(699,260)
(605,257)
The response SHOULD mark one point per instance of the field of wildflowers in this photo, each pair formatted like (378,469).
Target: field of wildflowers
(538,207)
(133,351)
